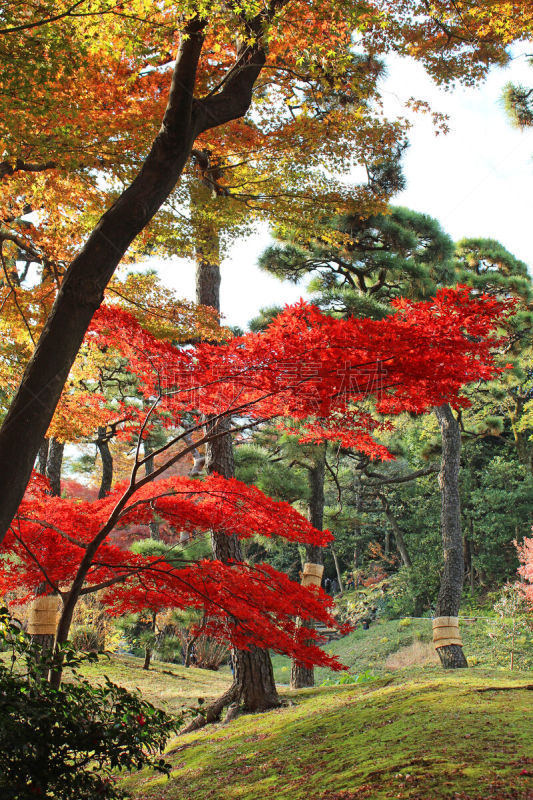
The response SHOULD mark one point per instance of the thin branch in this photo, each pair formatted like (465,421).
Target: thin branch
(37,562)
(337,484)
(10,284)
(383,480)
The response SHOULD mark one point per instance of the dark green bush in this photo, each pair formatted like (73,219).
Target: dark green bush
(69,743)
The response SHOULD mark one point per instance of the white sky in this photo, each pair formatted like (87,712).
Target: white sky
(477,181)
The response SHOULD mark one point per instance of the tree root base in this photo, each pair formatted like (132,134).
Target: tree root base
(452,657)
(232,699)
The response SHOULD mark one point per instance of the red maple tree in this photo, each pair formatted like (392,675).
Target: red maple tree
(306,366)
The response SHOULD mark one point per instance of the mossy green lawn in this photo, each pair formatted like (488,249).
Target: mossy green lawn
(168,686)
(424,735)
(415,734)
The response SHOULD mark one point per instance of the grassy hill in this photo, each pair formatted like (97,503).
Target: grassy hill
(168,686)
(424,735)
(387,645)
(411,733)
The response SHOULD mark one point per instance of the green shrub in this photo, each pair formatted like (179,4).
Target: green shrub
(68,743)
(404,623)
(87,639)
(347,678)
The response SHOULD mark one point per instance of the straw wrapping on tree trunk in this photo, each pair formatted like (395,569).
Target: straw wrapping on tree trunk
(446,632)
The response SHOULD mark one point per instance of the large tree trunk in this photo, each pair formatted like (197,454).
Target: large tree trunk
(82,290)
(253,682)
(102,443)
(301,675)
(451,586)
(254,678)
(54,464)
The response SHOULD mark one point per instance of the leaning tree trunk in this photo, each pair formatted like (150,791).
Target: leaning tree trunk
(54,464)
(451,586)
(301,675)
(85,281)
(253,682)
(337,568)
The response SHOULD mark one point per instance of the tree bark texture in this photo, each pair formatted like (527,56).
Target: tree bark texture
(43,456)
(148,650)
(82,290)
(253,682)
(316,473)
(451,586)
(254,678)
(102,444)
(208,282)
(301,675)
(54,464)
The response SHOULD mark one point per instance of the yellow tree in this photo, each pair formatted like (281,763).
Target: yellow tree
(223,49)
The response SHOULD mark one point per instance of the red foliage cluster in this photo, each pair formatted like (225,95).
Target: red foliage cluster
(315,368)
(307,366)
(51,535)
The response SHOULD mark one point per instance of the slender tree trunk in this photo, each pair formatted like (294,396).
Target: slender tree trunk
(316,502)
(188,650)
(357,526)
(147,657)
(45,641)
(398,536)
(523,446)
(54,464)
(102,444)
(301,675)
(43,456)
(148,650)
(451,586)
(253,683)
(337,568)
